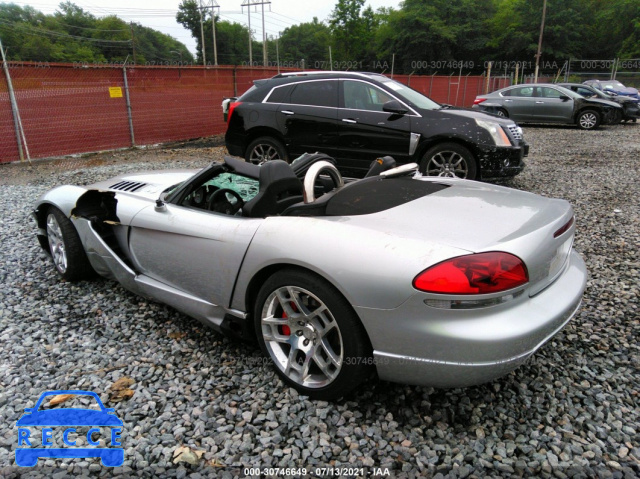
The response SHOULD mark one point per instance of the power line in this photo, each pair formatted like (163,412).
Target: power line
(295,20)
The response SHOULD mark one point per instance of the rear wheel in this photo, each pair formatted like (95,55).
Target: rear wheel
(449,160)
(502,112)
(264,149)
(312,335)
(588,120)
(65,247)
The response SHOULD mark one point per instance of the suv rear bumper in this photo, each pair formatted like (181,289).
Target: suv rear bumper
(235,143)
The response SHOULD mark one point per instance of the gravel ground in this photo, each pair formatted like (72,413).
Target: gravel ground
(204,405)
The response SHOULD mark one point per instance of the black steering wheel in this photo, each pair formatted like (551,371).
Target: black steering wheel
(219,202)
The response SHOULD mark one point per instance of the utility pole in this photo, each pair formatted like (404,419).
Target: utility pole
(264,40)
(278,53)
(539,54)
(133,43)
(255,3)
(214,5)
(205,6)
(204,56)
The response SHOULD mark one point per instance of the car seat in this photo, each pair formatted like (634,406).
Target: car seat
(279,188)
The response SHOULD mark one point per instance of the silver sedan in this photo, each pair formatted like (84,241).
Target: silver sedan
(549,103)
(430,281)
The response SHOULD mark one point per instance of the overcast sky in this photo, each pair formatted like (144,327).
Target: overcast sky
(161,14)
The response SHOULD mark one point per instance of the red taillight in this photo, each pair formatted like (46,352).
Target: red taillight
(564,229)
(231,108)
(479,100)
(480,273)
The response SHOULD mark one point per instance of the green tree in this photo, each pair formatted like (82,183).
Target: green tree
(353,31)
(515,29)
(421,34)
(309,41)
(232,39)
(74,35)
(616,29)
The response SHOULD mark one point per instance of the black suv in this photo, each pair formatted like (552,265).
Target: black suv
(357,117)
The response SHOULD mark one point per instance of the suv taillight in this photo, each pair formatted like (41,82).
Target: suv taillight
(480,273)
(479,100)
(231,108)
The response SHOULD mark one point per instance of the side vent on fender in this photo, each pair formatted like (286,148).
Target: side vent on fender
(127,186)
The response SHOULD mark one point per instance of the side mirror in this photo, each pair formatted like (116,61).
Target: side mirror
(160,206)
(564,97)
(394,106)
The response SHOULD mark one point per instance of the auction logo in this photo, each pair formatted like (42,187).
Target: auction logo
(66,421)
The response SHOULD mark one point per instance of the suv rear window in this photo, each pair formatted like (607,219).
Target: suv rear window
(316,93)
(280,94)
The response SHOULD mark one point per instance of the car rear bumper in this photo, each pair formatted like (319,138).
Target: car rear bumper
(417,344)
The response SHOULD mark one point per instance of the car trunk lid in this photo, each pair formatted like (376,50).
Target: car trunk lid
(479,217)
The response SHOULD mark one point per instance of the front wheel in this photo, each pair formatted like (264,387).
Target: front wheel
(264,149)
(65,247)
(449,160)
(588,120)
(312,335)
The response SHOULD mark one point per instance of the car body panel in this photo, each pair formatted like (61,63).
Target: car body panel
(216,243)
(205,264)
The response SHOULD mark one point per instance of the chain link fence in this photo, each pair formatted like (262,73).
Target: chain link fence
(77,108)
(63,109)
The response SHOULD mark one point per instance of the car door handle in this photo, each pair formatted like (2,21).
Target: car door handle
(539,102)
(349,120)
(287,112)
(508,101)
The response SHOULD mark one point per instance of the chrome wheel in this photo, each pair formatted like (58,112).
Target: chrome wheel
(302,337)
(264,152)
(449,164)
(56,243)
(502,113)
(588,121)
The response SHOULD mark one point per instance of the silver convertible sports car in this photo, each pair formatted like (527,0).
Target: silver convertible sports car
(420,280)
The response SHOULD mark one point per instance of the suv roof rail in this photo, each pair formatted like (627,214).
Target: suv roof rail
(324,72)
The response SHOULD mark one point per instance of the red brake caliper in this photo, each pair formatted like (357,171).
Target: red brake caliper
(284,329)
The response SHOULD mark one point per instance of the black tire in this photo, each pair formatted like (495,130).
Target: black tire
(502,112)
(449,160)
(588,120)
(301,353)
(265,148)
(65,247)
